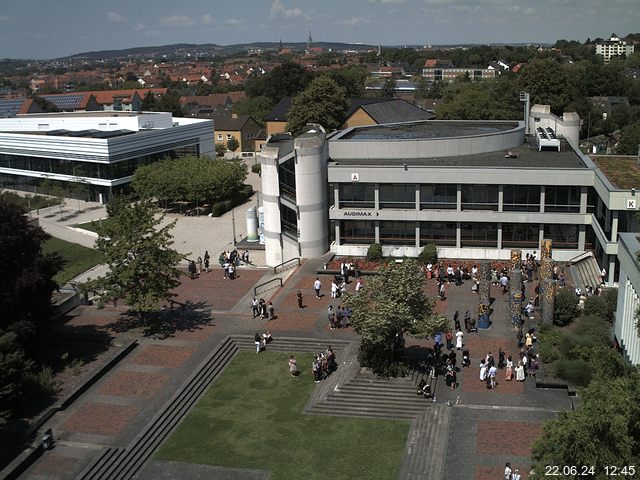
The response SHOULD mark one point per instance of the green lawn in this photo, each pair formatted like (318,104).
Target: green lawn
(93,225)
(251,418)
(78,259)
(30,202)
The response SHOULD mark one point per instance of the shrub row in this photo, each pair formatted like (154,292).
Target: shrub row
(237,198)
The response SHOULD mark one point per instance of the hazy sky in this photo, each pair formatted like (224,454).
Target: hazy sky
(54,28)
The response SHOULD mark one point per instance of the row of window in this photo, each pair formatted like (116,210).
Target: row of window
(109,171)
(516,198)
(514,235)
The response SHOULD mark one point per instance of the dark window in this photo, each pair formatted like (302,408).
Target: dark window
(398,233)
(440,233)
(592,200)
(562,199)
(479,235)
(398,196)
(521,198)
(520,235)
(439,197)
(479,197)
(287,177)
(563,236)
(289,221)
(357,195)
(357,232)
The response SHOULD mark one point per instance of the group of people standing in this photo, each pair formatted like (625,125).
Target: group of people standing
(263,309)
(324,364)
(338,317)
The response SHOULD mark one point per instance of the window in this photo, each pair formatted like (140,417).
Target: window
(289,221)
(562,199)
(565,237)
(520,235)
(439,197)
(442,234)
(592,200)
(479,197)
(220,136)
(398,233)
(357,232)
(398,196)
(521,198)
(479,235)
(287,174)
(228,137)
(357,195)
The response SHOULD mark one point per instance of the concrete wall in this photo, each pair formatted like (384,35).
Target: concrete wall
(567,126)
(625,321)
(268,158)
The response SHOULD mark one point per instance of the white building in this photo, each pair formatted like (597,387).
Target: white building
(101,149)
(624,326)
(613,47)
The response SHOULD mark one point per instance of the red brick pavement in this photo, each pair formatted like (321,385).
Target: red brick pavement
(196,333)
(133,384)
(212,289)
(100,418)
(507,438)
(494,473)
(54,463)
(472,383)
(163,356)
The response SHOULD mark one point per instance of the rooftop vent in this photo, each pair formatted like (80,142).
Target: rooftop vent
(546,139)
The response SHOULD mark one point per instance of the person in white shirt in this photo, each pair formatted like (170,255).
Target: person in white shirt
(334,289)
(316,286)
(358,284)
(474,272)
(459,336)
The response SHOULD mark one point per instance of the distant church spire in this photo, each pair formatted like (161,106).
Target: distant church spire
(309,41)
(379,51)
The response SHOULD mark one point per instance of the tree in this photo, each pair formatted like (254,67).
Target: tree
(288,79)
(14,370)
(221,149)
(604,430)
(323,102)
(256,107)
(565,307)
(26,275)
(232,144)
(548,83)
(388,89)
(629,140)
(142,265)
(392,304)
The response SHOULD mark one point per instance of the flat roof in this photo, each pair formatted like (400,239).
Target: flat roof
(622,172)
(428,129)
(523,156)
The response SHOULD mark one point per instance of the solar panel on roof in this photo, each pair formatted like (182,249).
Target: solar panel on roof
(10,107)
(65,102)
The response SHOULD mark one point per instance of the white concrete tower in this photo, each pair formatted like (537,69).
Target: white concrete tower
(268,159)
(311,154)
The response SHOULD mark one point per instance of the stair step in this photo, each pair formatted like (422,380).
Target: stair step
(377,403)
(362,411)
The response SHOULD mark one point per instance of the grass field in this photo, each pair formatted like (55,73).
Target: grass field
(251,418)
(93,225)
(77,258)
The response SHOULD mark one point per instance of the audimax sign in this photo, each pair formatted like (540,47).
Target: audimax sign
(359,213)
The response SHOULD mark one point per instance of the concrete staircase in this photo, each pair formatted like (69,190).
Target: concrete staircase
(586,272)
(426,445)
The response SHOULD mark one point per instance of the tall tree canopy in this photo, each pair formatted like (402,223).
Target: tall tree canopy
(142,265)
(323,102)
(287,79)
(26,275)
(629,140)
(390,305)
(547,83)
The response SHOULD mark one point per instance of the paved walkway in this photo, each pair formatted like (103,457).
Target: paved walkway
(489,428)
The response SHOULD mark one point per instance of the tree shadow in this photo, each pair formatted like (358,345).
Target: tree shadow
(181,316)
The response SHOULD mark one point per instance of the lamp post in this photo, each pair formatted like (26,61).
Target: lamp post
(233,226)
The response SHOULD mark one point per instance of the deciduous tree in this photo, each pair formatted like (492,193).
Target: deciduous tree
(392,304)
(142,264)
(323,102)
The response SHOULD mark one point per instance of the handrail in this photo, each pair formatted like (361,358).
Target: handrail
(284,263)
(255,289)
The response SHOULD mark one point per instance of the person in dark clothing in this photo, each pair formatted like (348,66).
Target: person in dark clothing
(192,269)
(299,297)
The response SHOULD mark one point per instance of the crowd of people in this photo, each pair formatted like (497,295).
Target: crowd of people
(324,364)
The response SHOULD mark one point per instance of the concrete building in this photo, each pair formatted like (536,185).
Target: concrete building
(624,327)
(451,74)
(613,47)
(101,149)
(475,188)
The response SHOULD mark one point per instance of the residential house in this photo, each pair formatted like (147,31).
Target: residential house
(73,102)
(376,111)
(241,127)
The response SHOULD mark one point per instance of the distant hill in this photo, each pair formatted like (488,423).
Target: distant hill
(209,48)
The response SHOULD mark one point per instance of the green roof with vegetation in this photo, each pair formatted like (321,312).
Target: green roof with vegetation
(622,172)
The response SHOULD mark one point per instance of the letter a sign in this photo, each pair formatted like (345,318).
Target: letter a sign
(355,177)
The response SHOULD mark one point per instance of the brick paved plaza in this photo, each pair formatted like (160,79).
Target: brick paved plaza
(488,428)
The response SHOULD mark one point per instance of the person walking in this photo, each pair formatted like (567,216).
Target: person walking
(520,372)
(299,297)
(507,471)
(258,341)
(192,269)
(493,371)
(199,265)
(508,374)
(316,286)
(449,339)
(483,370)
(331,316)
(334,289)
(459,336)
(293,366)
(207,258)
(255,307)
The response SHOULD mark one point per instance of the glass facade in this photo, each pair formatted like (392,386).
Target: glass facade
(439,197)
(354,232)
(520,235)
(287,178)
(289,222)
(480,197)
(521,198)
(357,195)
(479,235)
(398,233)
(440,233)
(400,195)
(565,237)
(562,199)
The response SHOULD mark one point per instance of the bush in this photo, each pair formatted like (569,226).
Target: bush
(429,254)
(597,306)
(374,252)
(218,209)
(610,296)
(549,353)
(606,362)
(594,327)
(577,372)
(571,345)
(565,308)
(228,204)
(257,168)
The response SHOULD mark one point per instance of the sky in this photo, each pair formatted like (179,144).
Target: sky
(45,29)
